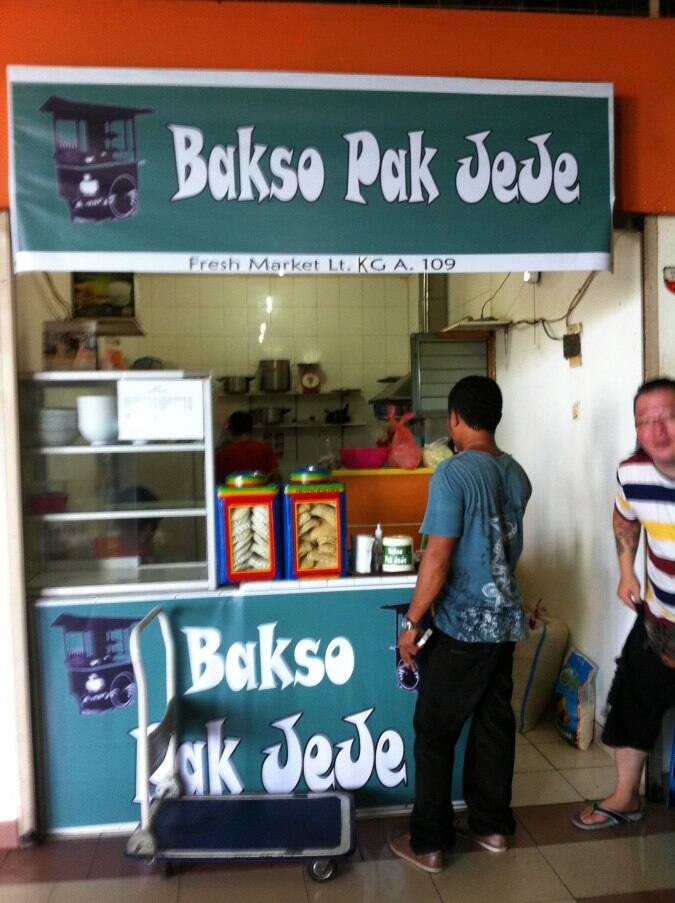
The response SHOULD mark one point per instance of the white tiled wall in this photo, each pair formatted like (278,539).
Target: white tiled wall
(358,328)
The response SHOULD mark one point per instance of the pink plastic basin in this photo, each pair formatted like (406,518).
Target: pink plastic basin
(364,458)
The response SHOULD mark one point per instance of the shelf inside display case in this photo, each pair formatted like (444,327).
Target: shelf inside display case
(117,448)
(119,575)
(83,377)
(107,514)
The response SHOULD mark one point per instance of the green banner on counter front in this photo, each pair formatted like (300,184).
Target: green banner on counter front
(264,173)
(276,693)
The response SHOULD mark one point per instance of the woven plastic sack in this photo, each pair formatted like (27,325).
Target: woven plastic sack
(575,700)
(404,451)
(536,666)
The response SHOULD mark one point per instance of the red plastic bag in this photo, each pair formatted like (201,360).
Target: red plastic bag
(404,451)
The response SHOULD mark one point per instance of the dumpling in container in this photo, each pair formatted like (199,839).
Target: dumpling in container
(325,512)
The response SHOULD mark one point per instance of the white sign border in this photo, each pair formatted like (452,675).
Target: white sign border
(335,81)
(305,264)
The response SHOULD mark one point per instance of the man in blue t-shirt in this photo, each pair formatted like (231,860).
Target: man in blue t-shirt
(474,520)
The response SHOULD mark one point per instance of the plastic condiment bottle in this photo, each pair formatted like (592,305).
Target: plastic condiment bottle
(378,553)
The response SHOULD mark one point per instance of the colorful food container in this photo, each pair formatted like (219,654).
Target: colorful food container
(249,529)
(315,526)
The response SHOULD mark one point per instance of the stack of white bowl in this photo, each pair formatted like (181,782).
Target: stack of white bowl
(54,426)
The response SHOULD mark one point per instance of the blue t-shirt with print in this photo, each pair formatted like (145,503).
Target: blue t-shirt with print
(480,500)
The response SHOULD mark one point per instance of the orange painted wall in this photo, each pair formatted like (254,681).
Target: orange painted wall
(637,55)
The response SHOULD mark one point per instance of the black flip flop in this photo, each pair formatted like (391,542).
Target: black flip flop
(612,818)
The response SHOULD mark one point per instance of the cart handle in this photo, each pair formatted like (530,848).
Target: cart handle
(142,687)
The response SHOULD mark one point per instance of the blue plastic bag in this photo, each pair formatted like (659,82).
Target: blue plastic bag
(575,700)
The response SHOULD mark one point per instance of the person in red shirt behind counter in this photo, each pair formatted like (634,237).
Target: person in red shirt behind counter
(244,452)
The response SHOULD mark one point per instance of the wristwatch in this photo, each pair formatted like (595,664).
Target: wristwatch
(407,624)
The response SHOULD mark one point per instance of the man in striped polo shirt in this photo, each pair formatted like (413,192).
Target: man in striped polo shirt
(644,684)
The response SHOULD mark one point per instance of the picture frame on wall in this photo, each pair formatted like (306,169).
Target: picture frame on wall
(103,295)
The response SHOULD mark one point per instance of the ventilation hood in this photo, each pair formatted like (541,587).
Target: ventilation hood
(395,391)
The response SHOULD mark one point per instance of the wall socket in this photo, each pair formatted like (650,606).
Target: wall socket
(572,345)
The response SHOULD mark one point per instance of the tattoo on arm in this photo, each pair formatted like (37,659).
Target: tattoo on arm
(627,536)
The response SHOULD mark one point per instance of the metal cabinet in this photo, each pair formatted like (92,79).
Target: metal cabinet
(107,515)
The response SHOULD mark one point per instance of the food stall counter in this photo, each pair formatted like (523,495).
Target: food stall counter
(280,686)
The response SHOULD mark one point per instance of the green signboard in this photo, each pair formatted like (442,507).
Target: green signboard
(231,172)
(275,693)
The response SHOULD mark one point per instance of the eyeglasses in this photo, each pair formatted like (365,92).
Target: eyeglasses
(655,421)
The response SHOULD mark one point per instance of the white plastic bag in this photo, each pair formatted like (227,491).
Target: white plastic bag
(435,452)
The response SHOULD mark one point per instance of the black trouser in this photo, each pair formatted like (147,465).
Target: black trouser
(458,680)
(642,691)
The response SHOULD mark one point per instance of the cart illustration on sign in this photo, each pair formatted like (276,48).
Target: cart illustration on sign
(98,661)
(96,159)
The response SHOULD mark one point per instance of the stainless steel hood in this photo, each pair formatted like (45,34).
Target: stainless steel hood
(394,392)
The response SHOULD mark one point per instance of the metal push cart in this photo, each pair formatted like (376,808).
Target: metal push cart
(314,827)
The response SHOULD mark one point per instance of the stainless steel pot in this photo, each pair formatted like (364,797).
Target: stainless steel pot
(235,385)
(274,376)
(269,416)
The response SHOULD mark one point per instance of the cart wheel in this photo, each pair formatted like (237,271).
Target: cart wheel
(321,869)
(169,869)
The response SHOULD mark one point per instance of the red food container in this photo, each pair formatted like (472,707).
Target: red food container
(315,526)
(248,530)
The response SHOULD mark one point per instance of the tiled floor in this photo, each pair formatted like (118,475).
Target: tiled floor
(549,859)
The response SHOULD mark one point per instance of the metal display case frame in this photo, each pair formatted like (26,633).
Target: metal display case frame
(177,576)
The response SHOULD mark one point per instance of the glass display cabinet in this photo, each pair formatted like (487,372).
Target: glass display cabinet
(117,473)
